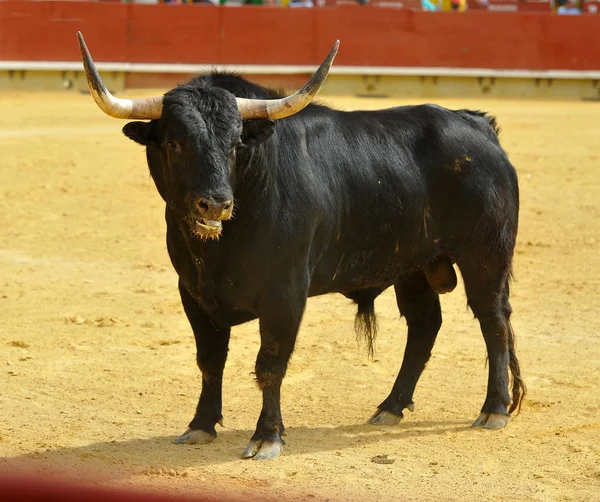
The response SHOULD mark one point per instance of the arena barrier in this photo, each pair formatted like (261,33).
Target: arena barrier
(36,489)
(384,51)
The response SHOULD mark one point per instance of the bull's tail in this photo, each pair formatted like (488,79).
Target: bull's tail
(365,322)
(519,388)
(483,121)
(518,385)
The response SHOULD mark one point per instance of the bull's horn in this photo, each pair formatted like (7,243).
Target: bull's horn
(280,108)
(144,108)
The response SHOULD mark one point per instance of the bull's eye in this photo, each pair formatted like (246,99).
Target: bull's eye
(172,146)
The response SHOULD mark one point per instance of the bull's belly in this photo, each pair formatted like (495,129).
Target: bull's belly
(362,271)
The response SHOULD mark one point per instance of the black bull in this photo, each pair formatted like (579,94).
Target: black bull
(262,214)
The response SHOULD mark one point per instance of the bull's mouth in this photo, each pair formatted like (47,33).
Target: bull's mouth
(206,229)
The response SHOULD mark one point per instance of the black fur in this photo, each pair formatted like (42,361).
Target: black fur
(330,201)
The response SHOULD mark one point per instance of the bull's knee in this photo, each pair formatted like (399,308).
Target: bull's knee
(270,366)
(440,275)
(268,379)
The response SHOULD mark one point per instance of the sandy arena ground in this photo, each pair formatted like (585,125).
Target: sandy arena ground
(97,360)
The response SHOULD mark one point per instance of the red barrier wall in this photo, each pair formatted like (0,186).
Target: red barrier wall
(270,35)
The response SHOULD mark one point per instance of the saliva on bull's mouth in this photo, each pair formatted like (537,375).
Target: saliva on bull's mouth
(203,228)
(208,228)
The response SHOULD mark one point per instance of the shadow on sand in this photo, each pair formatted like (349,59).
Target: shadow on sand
(116,460)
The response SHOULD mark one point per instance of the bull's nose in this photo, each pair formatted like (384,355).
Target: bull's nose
(214,209)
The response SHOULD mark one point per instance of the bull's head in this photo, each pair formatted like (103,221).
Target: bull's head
(193,138)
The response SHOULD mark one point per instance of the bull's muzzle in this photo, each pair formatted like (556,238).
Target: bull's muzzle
(207,214)
(210,208)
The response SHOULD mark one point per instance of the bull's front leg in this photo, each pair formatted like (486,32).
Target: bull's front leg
(212,343)
(280,318)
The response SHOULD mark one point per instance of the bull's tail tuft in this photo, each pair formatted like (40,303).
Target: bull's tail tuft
(365,324)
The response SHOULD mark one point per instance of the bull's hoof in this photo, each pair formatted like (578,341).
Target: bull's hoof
(383,417)
(262,450)
(192,436)
(491,421)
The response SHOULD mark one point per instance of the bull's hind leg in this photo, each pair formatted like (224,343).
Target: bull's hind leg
(420,305)
(211,344)
(487,295)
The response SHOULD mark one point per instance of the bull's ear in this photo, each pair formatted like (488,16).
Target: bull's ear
(140,132)
(256,131)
